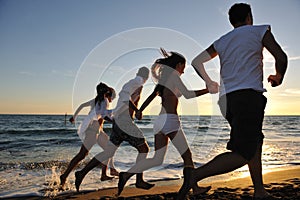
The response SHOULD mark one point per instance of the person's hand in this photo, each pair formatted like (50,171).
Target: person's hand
(72,120)
(275,80)
(213,87)
(139,115)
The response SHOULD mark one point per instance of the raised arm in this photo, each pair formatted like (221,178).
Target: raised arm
(280,58)
(197,63)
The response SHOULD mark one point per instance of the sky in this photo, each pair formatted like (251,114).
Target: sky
(53,53)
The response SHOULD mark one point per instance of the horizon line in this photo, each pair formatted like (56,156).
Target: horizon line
(60,114)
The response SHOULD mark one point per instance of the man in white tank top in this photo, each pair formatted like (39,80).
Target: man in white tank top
(241,95)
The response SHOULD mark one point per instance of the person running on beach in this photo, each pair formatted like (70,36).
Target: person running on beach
(124,129)
(91,130)
(241,100)
(167,126)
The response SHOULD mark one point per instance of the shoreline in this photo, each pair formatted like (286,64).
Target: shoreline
(281,182)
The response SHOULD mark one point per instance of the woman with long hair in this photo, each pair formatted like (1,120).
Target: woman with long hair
(166,71)
(91,130)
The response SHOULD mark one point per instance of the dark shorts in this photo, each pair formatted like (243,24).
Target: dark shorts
(118,136)
(244,110)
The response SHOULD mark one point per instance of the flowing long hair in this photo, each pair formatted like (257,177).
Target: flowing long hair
(163,67)
(103,89)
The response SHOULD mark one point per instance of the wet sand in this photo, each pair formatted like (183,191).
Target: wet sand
(282,183)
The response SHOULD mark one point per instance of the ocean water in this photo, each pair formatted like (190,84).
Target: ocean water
(35,149)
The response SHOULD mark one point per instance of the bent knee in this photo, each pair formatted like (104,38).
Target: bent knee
(144,148)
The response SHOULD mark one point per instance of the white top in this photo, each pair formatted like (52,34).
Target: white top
(102,110)
(127,93)
(97,111)
(240,53)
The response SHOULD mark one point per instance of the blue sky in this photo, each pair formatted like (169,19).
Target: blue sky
(44,44)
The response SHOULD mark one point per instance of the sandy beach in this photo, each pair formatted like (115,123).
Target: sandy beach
(281,183)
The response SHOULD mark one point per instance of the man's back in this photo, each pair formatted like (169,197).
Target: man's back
(130,91)
(240,53)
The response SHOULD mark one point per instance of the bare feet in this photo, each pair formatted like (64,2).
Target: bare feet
(106,178)
(78,180)
(62,180)
(114,172)
(185,188)
(144,185)
(123,178)
(201,190)
(187,185)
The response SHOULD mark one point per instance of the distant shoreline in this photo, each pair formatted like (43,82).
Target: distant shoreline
(37,114)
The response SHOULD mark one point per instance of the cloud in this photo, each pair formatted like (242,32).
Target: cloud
(66,73)
(291,92)
(294,58)
(269,60)
(27,73)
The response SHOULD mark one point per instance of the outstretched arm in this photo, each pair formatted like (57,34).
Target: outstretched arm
(197,63)
(188,93)
(83,105)
(280,58)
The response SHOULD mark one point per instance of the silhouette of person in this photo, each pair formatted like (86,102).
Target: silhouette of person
(167,126)
(124,129)
(241,100)
(91,130)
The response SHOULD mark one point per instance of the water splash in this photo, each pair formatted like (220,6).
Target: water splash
(52,183)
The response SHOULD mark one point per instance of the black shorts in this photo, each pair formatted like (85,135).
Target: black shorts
(244,110)
(118,136)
